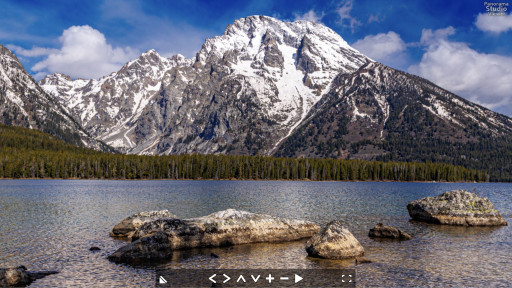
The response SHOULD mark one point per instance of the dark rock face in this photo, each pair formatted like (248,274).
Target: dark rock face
(127,227)
(334,242)
(157,239)
(457,207)
(383,231)
(150,248)
(19,276)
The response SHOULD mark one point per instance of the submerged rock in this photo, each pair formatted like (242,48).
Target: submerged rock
(383,231)
(223,228)
(127,227)
(457,207)
(19,276)
(362,260)
(334,242)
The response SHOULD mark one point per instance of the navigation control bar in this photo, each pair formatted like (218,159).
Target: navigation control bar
(191,278)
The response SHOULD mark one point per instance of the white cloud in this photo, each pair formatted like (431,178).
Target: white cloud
(85,53)
(494,24)
(382,46)
(482,78)
(309,16)
(429,37)
(34,52)
(344,14)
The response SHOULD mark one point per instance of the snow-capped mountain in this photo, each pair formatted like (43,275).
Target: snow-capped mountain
(243,93)
(288,89)
(24,103)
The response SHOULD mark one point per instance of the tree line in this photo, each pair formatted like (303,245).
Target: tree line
(26,153)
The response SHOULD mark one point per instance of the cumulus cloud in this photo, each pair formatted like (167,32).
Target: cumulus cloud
(382,46)
(309,16)
(482,78)
(85,53)
(345,17)
(494,24)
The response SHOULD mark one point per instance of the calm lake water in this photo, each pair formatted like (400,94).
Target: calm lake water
(50,225)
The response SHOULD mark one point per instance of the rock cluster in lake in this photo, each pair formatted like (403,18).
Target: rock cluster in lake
(19,276)
(155,240)
(334,242)
(457,207)
(383,231)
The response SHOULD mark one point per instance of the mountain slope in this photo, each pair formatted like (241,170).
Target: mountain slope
(385,114)
(24,103)
(243,93)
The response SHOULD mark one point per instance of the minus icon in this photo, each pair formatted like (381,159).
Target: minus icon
(284,278)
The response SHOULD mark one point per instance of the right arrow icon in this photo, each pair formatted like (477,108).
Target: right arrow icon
(297,278)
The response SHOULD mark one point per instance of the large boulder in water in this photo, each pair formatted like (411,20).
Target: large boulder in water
(334,242)
(127,227)
(223,228)
(19,276)
(383,231)
(457,207)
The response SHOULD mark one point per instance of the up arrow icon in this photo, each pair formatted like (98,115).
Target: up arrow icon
(240,278)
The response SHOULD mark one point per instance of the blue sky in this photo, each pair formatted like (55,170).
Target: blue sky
(455,44)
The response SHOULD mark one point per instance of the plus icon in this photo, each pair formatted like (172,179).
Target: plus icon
(270,278)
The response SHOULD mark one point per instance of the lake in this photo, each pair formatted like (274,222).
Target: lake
(51,224)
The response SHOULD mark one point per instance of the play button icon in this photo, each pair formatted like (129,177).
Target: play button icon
(297,278)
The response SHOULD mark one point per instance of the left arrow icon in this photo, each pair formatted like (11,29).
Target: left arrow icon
(227,278)
(211,278)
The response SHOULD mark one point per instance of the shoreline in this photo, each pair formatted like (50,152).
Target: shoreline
(256,180)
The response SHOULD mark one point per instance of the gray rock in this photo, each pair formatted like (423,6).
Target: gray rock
(334,242)
(127,227)
(19,276)
(457,207)
(157,239)
(383,231)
